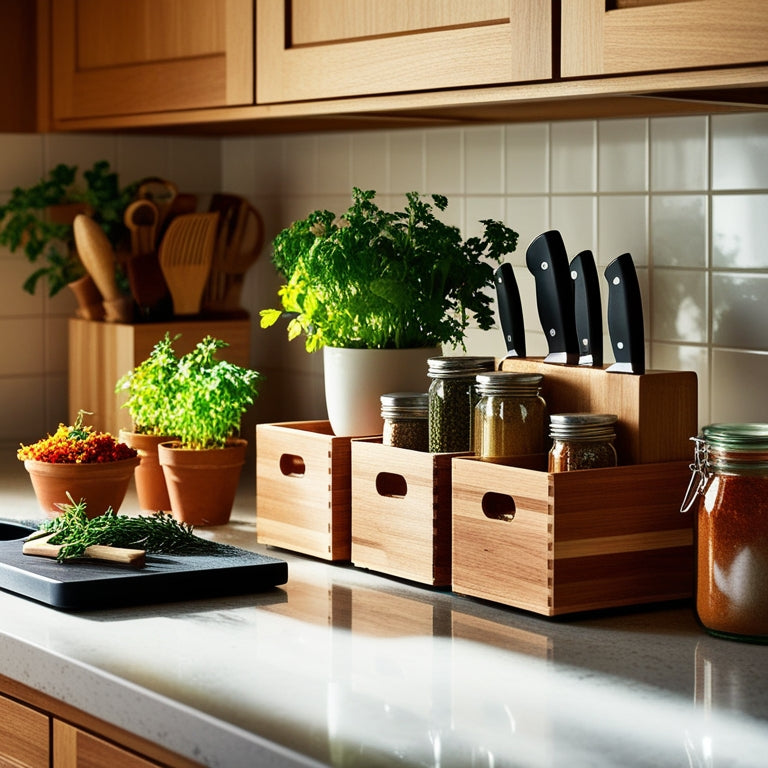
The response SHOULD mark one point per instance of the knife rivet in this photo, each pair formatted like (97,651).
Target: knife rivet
(616,280)
(544,266)
(552,332)
(620,345)
(574,275)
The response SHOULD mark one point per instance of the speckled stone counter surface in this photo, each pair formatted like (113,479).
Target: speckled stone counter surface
(348,668)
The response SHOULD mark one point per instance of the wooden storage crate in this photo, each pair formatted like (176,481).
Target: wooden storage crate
(555,543)
(303,489)
(401,512)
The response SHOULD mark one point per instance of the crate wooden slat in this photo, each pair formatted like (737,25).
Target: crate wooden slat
(401,512)
(658,411)
(303,489)
(556,543)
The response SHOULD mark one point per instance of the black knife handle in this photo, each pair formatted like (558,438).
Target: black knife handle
(625,316)
(588,309)
(547,261)
(510,310)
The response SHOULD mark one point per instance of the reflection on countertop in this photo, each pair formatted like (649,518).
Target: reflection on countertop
(345,667)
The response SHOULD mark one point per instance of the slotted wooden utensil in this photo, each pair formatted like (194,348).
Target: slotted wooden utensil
(186,255)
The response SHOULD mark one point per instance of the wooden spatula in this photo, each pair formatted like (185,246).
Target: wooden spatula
(186,254)
(40,547)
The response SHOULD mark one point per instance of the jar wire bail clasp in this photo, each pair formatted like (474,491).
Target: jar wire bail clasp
(699,475)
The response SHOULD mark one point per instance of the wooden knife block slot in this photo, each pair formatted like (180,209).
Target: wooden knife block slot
(657,411)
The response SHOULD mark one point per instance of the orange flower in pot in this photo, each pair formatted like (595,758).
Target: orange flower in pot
(80,462)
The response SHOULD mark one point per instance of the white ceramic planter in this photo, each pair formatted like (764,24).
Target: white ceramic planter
(355,379)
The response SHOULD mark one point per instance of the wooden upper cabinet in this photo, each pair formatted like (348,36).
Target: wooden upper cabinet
(126,57)
(610,37)
(319,49)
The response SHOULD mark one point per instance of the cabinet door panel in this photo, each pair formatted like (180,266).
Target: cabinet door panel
(113,57)
(314,49)
(73,748)
(23,736)
(625,36)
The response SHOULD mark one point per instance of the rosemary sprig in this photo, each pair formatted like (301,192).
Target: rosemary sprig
(157,533)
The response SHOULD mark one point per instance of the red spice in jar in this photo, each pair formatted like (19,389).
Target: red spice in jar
(732,533)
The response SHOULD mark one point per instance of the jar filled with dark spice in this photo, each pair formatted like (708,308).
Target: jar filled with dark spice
(581,441)
(452,399)
(406,423)
(510,415)
(729,491)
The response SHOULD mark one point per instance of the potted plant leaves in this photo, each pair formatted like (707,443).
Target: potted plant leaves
(38,220)
(373,285)
(149,387)
(206,399)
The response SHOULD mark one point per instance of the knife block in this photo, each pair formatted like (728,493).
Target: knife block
(303,489)
(555,543)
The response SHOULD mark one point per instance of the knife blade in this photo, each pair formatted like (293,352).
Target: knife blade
(625,316)
(510,310)
(547,261)
(588,309)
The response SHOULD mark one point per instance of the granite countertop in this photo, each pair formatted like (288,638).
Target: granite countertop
(344,667)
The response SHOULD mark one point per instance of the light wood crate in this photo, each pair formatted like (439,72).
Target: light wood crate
(401,512)
(303,489)
(565,542)
(100,353)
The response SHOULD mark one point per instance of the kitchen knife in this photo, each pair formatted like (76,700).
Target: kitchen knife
(588,309)
(510,310)
(547,261)
(625,316)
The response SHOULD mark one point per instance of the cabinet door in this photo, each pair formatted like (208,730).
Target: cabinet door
(23,736)
(625,36)
(73,748)
(121,57)
(316,49)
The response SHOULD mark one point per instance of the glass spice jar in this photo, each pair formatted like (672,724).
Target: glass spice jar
(729,490)
(452,400)
(406,423)
(510,415)
(581,441)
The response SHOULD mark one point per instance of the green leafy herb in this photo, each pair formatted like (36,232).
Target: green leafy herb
(375,279)
(157,533)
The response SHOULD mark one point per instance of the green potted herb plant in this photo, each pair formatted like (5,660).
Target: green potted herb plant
(38,220)
(375,285)
(149,387)
(206,399)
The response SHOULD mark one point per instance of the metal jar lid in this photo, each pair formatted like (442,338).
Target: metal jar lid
(582,426)
(404,405)
(458,366)
(508,383)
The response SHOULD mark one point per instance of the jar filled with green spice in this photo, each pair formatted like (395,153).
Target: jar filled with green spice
(582,441)
(452,399)
(406,423)
(510,415)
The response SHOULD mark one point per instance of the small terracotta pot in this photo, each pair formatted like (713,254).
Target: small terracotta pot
(151,489)
(202,483)
(100,485)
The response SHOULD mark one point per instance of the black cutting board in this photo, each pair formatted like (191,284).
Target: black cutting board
(80,585)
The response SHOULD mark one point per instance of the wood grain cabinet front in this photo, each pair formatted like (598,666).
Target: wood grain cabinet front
(128,57)
(613,37)
(24,740)
(321,49)
(75,748)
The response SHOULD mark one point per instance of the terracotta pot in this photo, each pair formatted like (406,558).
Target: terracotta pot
(202,484)
(150,480)
(100,485)
(355,379)
(89,300)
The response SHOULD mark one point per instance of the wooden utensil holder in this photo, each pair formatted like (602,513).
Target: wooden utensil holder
(303,489)
(401,512)
(555,543)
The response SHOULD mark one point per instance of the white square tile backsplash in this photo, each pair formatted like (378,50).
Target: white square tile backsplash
(687,196)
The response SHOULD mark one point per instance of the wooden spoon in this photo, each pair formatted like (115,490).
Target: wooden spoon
(142,218)
(186,254)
